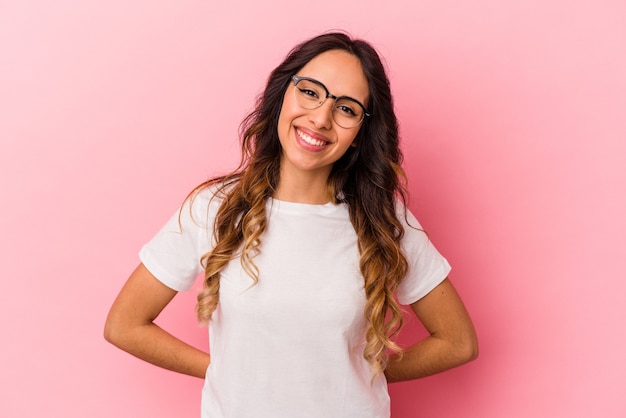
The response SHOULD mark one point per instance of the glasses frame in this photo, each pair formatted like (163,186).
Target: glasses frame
(296,79)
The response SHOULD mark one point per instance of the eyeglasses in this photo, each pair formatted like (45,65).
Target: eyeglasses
(311,94)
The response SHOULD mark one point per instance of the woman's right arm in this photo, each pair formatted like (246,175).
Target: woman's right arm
(130,326)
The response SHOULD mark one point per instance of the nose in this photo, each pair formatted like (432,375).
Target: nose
(322,116)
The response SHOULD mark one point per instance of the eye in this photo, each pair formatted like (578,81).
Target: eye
(346,110)
(308,92)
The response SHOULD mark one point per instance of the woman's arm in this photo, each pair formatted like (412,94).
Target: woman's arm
(452,339)
(130,326)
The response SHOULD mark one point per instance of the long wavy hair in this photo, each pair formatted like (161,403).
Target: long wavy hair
(368,178)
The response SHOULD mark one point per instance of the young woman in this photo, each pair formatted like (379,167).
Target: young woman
(308,253)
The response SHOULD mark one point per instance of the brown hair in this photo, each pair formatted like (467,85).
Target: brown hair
(368,178)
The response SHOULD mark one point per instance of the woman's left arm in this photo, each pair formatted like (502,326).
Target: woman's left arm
(452,340)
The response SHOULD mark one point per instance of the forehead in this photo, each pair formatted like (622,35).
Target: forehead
(341,73)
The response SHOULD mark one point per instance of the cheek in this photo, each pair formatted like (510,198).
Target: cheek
(284,117)
(349,137)
(283,125)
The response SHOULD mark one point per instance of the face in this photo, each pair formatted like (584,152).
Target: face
(311,140)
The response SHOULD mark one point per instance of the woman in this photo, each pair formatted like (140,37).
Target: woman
(307,252)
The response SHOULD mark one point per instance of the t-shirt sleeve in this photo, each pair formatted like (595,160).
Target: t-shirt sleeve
(427,267)
(173,254)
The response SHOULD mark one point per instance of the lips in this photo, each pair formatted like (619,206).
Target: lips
(312,140)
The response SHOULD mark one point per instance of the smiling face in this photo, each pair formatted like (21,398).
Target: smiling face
(311,140)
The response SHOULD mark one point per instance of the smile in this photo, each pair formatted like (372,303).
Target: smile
(310,140)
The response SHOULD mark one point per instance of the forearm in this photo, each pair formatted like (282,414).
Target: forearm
(130,326)
(427,357)
(153,344)
(452,339)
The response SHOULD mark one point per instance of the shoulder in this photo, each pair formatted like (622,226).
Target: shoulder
(406,217)
(427,267)
(202,205)
(415,237)
(208,196)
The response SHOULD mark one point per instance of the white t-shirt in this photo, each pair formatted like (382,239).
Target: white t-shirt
(291,345)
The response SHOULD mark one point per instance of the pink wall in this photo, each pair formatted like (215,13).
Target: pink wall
(513,120)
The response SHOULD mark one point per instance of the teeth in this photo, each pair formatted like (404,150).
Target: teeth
(310,140)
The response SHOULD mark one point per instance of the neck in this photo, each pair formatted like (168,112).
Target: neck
(303,189)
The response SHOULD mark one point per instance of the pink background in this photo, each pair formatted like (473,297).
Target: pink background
(513,123)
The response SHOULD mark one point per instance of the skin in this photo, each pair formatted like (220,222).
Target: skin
(304,171)
(130,326)
(451,343)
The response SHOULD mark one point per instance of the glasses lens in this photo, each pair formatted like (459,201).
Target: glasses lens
(347,112)
(309,95)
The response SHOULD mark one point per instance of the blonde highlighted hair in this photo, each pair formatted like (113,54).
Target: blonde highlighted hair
(368,178)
